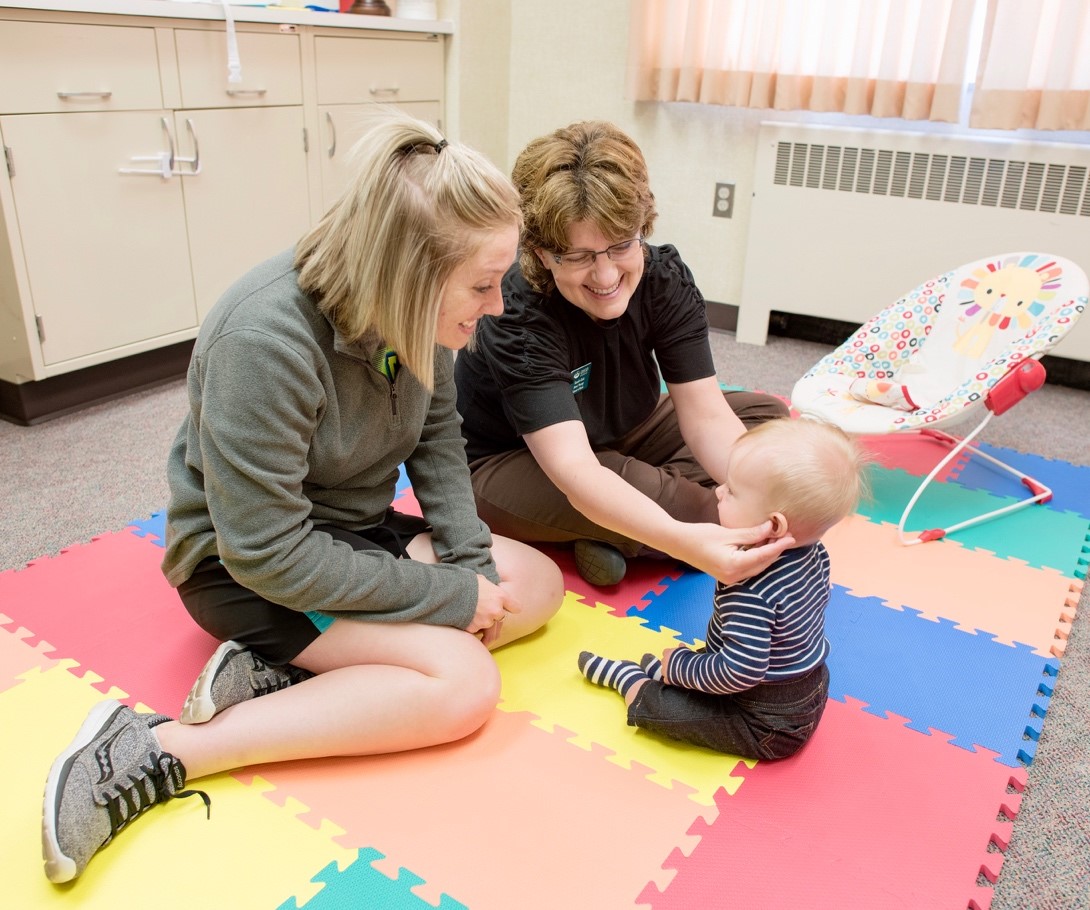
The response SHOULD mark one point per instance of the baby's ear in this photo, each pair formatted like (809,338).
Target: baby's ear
(779,525)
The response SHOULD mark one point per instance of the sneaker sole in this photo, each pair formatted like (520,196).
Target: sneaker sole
(60,868)
(199,708)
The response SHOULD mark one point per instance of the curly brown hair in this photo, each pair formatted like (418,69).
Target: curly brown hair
(588,171)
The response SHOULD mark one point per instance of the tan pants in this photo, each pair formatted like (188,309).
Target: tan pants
(515,498)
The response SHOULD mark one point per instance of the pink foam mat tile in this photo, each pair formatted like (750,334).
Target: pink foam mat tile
(869,814)
(511,816)
(913,453)
(976,590)
(643,577)
(106,605)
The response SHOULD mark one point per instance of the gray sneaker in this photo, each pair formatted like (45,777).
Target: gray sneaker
(112,772)
(234,674)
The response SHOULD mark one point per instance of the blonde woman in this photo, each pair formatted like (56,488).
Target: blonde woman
(313,379)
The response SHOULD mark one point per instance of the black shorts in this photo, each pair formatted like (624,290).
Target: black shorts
(230,612)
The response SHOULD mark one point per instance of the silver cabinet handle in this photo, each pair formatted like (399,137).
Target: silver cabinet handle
(333,133)
(384,89)
(247,91)
(194,162)
(84,96)
(167,160)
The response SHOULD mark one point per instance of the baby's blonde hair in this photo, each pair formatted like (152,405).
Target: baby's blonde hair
(816,473)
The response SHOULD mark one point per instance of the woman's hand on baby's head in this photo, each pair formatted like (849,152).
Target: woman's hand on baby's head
(731,555)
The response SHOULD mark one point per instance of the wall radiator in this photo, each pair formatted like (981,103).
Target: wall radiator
(844,221)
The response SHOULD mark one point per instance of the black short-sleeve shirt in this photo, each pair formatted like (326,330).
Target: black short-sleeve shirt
(545,361)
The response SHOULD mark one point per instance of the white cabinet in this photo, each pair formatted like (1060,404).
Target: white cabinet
(104,252)
(140,181)
(246,191)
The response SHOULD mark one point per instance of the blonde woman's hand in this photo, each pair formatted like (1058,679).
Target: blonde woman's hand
(493,605)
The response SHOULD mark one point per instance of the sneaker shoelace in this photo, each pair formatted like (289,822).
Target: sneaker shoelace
(262,681)
(163,771)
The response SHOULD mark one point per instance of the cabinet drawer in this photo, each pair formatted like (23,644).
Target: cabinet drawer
(49,67)
(353,70)
(271,70)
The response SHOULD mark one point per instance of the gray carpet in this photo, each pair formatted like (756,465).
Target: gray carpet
(84,474)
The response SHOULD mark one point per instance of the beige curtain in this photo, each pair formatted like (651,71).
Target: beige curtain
(1034,66)
(886,58)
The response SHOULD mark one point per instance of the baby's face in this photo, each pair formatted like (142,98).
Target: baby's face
(742,502)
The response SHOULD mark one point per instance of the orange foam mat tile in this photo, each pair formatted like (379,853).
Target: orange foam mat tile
(976,590)
(249,853)
(541,676)
(509,817)
(17,655)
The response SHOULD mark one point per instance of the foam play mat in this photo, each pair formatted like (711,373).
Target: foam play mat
(943,661)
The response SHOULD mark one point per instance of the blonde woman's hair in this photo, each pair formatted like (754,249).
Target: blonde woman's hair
(816,473)
(588,171)
(379,261)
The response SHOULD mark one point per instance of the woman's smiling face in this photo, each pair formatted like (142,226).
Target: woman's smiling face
(602,288)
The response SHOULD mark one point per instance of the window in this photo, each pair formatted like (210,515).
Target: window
(883,58)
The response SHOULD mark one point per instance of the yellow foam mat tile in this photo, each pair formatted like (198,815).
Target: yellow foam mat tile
(172,857)
(541,676)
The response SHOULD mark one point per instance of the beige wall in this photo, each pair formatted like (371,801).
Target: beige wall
(521,68)
(563,60)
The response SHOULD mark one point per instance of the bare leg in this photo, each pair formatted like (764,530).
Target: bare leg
(379,687)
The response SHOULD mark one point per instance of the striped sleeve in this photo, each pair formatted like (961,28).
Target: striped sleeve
(770,627)
(737,653)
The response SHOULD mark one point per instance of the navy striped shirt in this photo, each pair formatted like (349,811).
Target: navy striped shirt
(769,627)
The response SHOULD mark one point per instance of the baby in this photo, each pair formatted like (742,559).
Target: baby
(757,689)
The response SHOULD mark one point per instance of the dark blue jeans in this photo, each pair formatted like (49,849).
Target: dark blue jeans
(772,720)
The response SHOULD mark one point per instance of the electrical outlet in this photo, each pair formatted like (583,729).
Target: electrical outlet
(724,200)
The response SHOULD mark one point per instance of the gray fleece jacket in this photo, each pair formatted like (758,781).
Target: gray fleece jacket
(291,428)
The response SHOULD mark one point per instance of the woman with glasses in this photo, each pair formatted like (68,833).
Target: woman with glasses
(568,437)
(362,629)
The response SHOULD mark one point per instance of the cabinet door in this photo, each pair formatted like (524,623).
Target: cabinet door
(340,126)
(250,199)
(105,251)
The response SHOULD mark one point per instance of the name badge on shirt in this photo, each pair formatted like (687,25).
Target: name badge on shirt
(580,378)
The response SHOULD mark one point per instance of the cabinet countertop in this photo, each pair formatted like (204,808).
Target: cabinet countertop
(177,9)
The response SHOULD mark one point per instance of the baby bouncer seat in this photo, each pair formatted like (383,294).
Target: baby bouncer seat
(964,344)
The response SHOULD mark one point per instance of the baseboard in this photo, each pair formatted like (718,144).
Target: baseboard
(1065,371)
(29,403)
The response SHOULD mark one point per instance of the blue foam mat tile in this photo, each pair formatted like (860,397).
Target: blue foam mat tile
(684,606)
(360,885)
(979,691)
(1070,483)
(153,528)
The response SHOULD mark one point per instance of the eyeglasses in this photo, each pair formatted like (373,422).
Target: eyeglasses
(580,259)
